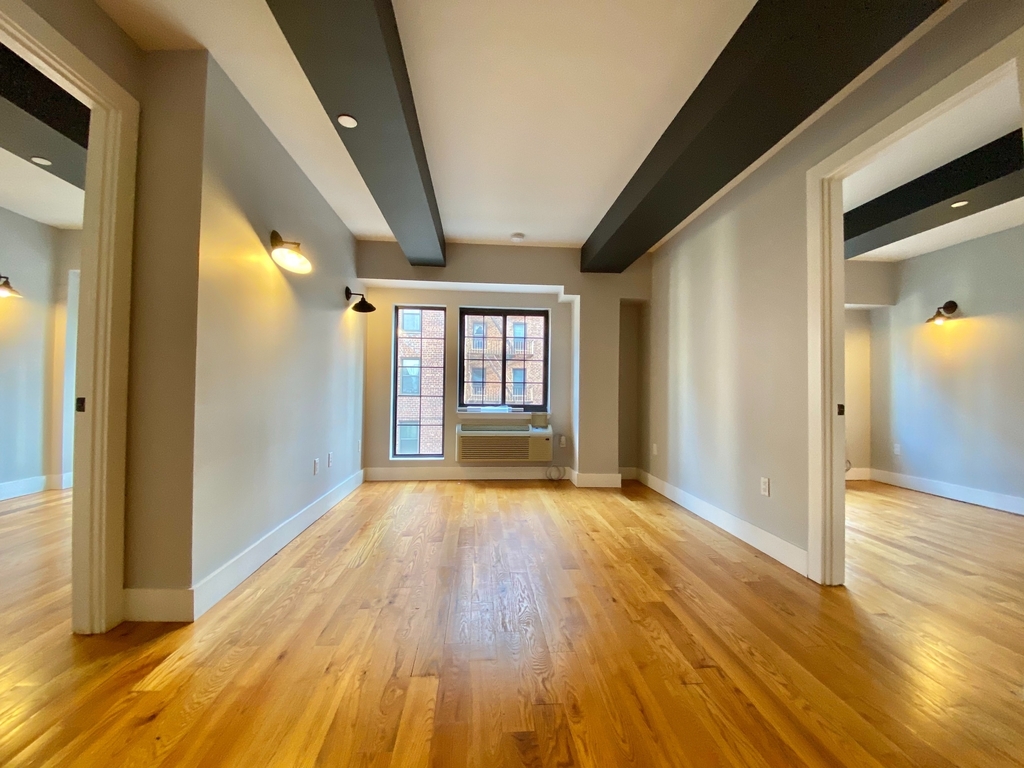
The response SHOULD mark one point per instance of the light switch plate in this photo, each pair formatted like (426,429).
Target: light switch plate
(766,486)
(316,466)
(330,458)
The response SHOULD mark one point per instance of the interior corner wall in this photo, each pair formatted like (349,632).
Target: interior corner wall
(380,369)
(858,390)
(162,351)
(952,396)
(629,384)
(279,371)
(729,395)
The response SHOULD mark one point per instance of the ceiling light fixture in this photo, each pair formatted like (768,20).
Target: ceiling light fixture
(6,290)
(360,306)
(960,204)
(40,161)
(517,237)
(943,313)
(347,121)
(287,255)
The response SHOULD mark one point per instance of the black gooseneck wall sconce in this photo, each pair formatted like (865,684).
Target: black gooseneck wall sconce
(6,289)
(944,313)
(360,306)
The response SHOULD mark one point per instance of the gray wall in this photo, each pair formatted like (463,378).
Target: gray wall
(858,388)
(37,352)
(379,368)
(630,383)
(26,346)
(279,362)
(952,396)
(729,302)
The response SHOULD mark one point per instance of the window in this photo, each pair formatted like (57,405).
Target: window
(503,358)
(419,382)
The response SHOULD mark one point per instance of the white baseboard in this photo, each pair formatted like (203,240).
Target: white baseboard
(1002,502)
(190,604)
(629,473)
(14,488)
(67,480)
(587,480)
(159,605)
(399,473)
(788,554)
(858,473)
(218,584)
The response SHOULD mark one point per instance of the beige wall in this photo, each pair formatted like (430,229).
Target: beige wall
(279,363)
(952,396)
(165,280)
(379,368)
(858,388)
(729,361)
(871,283)
(597,439)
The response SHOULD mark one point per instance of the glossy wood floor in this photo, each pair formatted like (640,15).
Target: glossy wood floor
(513,624)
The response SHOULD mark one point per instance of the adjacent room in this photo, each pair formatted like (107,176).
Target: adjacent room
(465,384)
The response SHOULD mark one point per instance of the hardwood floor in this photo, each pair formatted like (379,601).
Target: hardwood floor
(470,624)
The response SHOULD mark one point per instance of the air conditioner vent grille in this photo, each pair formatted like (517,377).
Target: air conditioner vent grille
(491,448)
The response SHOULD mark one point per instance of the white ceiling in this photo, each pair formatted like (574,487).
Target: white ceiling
(30,191)
(244,38)
(534,113)
(987,222)
(973,122)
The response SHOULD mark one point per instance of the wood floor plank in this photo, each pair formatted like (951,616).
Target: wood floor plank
(454,624)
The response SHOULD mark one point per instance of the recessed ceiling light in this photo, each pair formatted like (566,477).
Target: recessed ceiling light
(959,204)
(40,161)
(518,237)
(347,121)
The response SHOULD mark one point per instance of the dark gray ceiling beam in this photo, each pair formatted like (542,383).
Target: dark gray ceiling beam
(352,55)
(26,136)
(987,177)
(787,59)
(29,89)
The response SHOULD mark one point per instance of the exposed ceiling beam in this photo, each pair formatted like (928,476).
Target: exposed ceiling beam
(984,178)
(29,89)
(352,55)
(787,59)
(27,137)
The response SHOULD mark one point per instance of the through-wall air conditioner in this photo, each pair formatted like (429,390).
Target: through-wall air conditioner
(503,442)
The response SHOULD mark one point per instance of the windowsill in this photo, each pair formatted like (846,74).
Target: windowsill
(464,413)
(417,458)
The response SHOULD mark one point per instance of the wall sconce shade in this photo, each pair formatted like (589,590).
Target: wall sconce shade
(7,290)
(360,306)
(943,313)
(288,255)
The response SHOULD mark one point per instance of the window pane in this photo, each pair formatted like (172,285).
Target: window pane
(504,358)
(419,382)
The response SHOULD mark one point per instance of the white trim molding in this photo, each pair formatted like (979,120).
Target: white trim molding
(218,584)
(591,480)
(97,514)
(14,488)
(990,499)
(788,554)
(406,473)
(189,603)
(858,473)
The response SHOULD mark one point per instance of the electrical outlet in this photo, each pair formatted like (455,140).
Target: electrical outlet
(654,449)
(330,458)
(561,441)
(766,486)
(895,449)
(316,466)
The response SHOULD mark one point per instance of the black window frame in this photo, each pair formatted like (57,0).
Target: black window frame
(506,337)
(396,381)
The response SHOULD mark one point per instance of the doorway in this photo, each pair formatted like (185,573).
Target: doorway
(101,366)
